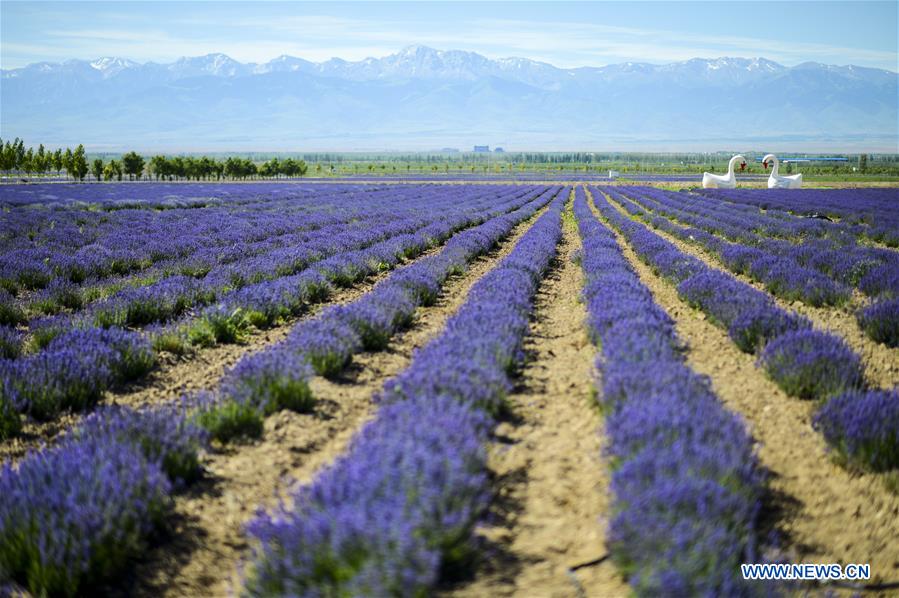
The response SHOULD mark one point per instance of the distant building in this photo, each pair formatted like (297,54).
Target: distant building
(613,174)
(498,150)
(449,150)
(481,148)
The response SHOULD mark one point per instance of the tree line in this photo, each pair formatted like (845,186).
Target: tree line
(14,157)
(190,167)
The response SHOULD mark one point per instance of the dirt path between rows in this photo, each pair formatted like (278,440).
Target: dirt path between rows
(824,513)
(201,558)
(552,483)
(881,362)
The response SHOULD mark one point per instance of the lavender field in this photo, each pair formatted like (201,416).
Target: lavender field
(411,388)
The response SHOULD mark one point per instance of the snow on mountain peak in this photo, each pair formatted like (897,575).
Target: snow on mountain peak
(111,62)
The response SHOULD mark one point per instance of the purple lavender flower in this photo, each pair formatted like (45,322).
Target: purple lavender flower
(753,328)
(10,342)
(882,281)
(812,365)
(863,427)
(75,514)
(164,435)
(379,314)
(74,370)
(10,313)
(271,380)
(880,321)
(327,342)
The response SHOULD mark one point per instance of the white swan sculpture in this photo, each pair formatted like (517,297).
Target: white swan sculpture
(726,181)
(775,181)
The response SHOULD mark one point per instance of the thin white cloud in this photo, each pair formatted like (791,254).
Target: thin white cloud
(319,37)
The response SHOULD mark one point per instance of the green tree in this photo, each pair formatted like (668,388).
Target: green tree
(79,164)
(863,163)
(232,167)
(8,156)
(19,154)
(207,167)
(67,162)
(270,168)
(40,159)
(133,165)
(5,154)
(57,161)
(27,163)
(159,167)
(97,168)
(112,170)
(291,167)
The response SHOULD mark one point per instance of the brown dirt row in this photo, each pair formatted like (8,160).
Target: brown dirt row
(552,483)
(824,513)
(201,557)
(881,362)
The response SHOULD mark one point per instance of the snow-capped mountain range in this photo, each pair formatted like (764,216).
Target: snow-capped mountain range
(422,98)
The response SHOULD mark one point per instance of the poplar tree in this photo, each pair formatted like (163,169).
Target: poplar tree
(79,164)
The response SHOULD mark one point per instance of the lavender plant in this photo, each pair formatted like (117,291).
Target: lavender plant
(226,419)
(72,516)
(880,321)
(10,313)
(863,427)
(812,365)
(10,342)
(271,380)
(163,435)
(74,370)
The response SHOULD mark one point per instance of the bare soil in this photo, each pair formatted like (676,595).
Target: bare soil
(822,512)
(881,362)
(201,556)
(552,495)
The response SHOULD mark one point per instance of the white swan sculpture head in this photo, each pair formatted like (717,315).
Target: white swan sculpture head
(776,181)
(727,181)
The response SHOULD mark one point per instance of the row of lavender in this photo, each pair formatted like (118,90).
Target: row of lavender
(873,209)
(770,221)
(826,247)
(805,363)
(825,269)
(201,253)
(76,242)
(815,272)
(278,376)
(77,366)
(685,481)
(121,465)
(398,509)
(186,258)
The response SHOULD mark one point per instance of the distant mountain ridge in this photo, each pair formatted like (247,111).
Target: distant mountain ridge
(421,98)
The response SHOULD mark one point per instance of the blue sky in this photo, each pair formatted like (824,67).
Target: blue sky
(564,34)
